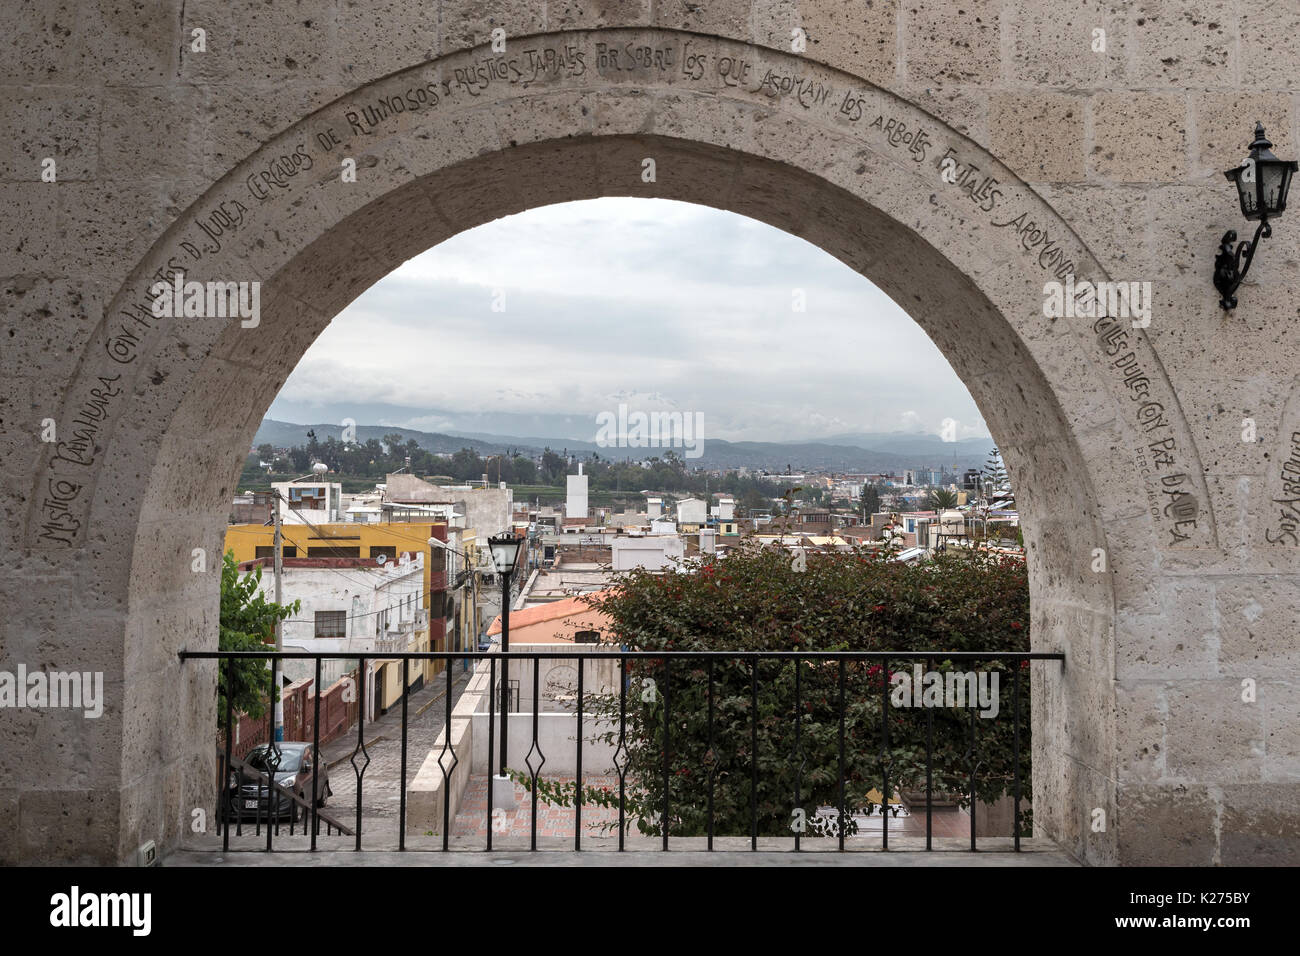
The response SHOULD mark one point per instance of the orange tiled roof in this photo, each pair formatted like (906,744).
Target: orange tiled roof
(552,611)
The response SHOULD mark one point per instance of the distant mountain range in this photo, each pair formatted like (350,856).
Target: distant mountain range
(858,452)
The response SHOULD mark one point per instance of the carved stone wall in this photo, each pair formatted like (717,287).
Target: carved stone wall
(960,155)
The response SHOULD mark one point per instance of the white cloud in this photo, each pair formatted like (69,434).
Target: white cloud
(681,306)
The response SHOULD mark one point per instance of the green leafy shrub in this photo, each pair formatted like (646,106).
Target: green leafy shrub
(756,600)
(248,622)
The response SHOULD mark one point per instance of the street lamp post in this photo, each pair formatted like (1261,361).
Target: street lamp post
(505,554)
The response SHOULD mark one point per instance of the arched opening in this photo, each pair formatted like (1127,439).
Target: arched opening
(316,242)
(540,326)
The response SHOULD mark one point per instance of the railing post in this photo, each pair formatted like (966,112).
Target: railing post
(841,750)
(622,746)
(316,758)
(884,750)
(401,785)
(798,756)
(973,799)
(577,785)
(712,757)
(236,810)
(272,795)
(447,772)
(361,743)
(537,695)
(1015,699)
(753,754)
(929,777)
(491,742)
(663,819)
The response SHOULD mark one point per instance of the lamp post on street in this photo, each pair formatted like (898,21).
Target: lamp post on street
(505,555)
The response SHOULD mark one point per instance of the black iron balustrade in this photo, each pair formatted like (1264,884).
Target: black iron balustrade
(535,758)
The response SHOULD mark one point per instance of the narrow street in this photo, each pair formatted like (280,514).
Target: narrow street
(427,714)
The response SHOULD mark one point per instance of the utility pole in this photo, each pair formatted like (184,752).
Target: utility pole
(279,625)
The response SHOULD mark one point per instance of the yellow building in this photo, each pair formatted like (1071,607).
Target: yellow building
(369,544)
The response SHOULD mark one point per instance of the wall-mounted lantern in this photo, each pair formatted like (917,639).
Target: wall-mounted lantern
(1262,182)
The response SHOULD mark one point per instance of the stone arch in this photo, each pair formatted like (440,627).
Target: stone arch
(818,152)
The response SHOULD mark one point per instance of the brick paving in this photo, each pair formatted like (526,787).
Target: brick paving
(552,821)
(426,716)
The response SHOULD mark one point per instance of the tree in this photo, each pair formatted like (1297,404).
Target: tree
(554,468)
(525,470)
(758,600)
(994,474)
(248,622)
(870,500)
(941,499)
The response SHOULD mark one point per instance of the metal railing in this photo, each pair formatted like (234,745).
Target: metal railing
(230,812)
(807,665)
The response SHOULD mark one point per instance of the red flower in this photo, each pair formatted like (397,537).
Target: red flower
(1017,626)
(878,607)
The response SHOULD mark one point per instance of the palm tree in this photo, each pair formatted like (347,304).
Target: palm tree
(941,499)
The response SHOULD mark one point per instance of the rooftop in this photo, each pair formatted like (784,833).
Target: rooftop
(554,622)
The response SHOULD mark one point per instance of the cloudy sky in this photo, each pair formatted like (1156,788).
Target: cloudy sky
(657,304)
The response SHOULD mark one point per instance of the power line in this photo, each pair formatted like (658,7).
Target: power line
(357,617)
(344,574)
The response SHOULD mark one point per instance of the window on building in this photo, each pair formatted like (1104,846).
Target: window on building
(268,551)
(387,550)
(333,551)
(311,498)
(331,623)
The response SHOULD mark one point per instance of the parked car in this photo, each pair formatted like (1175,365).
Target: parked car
(247,798)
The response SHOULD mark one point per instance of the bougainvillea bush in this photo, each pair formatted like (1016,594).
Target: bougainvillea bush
(758,599)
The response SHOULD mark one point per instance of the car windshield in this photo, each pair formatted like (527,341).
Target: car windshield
(289,760)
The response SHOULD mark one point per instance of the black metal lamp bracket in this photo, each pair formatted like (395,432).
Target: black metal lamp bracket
(1229,266)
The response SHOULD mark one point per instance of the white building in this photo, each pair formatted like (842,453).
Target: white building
(725,509)
(365,507)
(692,511)
(654,553)
(349,606)
(309,501)
(575,502)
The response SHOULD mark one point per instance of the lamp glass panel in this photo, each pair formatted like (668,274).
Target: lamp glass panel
(1248,196)
(504,554)
(1272,178)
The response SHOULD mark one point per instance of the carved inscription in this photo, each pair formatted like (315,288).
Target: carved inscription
(95,401)
(1284,528)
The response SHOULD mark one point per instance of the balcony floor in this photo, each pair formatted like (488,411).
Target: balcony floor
(641,851)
